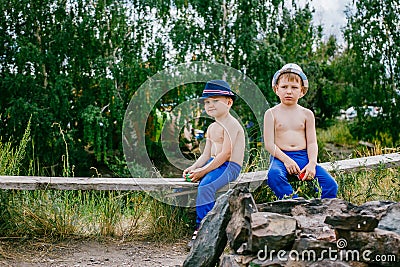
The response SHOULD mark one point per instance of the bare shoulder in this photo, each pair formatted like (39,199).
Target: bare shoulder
(308,115)
(270,111)
(307,112)
(211,125)
(211,128)
(235,125)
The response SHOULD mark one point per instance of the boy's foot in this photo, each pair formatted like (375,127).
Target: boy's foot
(190,244)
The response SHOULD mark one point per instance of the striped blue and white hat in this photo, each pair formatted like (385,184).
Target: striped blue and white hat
(217,88)
(293,68)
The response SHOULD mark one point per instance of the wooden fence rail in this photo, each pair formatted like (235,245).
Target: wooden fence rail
(152,184)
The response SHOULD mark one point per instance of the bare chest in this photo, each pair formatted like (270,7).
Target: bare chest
(216,133)
(290,124)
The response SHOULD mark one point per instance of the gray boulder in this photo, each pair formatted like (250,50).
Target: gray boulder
(241,205)
(211,238)
(272,230)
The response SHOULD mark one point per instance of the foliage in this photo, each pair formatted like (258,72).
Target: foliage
(76,64)
(11,159)
(60,214)
(368,185)
(338,133)
(373,38)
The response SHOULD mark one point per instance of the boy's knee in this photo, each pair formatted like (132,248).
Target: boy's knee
(330,191)
(335,188)
(274,175)
(206,190)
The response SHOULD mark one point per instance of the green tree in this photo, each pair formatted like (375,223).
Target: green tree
(373,39)
(73,63)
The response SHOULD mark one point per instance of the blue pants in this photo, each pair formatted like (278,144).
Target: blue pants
(278,181)
(210,184)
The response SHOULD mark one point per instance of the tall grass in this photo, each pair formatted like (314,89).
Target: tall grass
(382,183)
(65,214)
(11,158)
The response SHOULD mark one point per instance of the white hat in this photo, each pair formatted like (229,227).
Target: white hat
(293,68)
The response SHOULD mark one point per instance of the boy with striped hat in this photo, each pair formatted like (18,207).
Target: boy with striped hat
(223,154)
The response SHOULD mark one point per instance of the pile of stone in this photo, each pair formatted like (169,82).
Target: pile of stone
(297,232)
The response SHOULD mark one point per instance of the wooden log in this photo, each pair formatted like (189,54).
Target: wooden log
(385,161)
(84,183)
(167,184)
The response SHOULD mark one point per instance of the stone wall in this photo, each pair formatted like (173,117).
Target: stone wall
(297,232)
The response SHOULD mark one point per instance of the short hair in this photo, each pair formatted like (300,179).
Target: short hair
(291,77)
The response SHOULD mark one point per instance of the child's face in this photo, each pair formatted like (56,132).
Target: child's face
(289,90)
(216,106)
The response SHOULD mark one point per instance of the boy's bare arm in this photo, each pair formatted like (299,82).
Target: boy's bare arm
(204,157)
(312,147)
(311,137)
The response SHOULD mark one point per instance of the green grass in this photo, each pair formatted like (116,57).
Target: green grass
(367,185)
(338,133)
(64,214)
(60,214)
(11,158)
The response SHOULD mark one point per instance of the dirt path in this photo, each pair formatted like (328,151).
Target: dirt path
(92,253)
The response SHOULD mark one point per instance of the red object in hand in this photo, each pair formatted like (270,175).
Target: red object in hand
(301,175)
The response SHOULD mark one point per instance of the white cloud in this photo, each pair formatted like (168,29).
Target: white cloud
(330,14)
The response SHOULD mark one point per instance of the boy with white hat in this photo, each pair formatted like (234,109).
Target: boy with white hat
(290,137)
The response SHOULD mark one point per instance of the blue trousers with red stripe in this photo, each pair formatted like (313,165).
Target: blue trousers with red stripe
(210,184)
(278,176)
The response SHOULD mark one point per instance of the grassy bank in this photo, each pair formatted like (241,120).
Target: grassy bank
(64,214)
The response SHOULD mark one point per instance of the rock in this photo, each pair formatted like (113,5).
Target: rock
(329,263)
(358,264)
(282,206)
(242,205)
(318,232)
(230,261)
(365,223)
(371,246)
(268,261)
(374,208)
(390,221)
(271,230)
(211,238)
(310,214)
(311,217)
(311,249)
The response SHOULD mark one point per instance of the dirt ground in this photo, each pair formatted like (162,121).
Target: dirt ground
(92,253)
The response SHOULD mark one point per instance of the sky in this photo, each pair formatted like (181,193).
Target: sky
(331,15)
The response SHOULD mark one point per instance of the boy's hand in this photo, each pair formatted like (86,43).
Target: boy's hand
(291,166)
(187,171)
(308,172)
(196,175)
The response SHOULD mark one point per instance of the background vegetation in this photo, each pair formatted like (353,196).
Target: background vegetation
(73,66)
(68,70)
(57,215)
